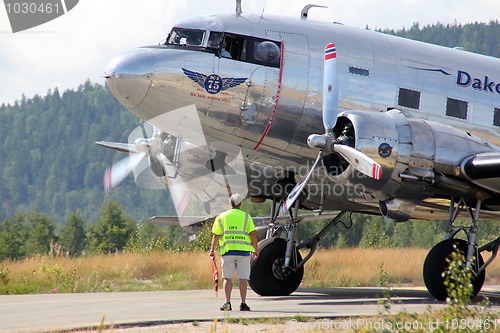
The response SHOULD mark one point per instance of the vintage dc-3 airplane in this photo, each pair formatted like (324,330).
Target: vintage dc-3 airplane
(411,130)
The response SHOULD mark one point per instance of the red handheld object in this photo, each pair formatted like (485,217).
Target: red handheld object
(215,274)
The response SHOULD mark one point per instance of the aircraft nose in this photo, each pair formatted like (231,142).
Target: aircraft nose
(129,76)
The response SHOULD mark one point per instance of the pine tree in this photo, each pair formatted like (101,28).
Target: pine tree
(41,234)
(13,235)
(72,236)
(112,229)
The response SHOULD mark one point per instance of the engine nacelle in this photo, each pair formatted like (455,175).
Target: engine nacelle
(417,148)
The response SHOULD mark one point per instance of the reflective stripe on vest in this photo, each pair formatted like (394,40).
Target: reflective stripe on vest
(242,243)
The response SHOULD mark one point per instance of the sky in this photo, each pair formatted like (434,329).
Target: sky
(77,46)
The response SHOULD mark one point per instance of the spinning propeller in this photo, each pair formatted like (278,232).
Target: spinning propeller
(326,142)
(174,153)
(138,151)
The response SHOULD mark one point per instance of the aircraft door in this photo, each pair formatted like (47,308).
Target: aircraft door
(260,98)
(250,105)
(289,126)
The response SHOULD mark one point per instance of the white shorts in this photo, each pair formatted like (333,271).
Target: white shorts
(239,263)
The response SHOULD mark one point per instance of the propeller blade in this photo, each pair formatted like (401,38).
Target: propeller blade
(181,197)
(360,161)
(330,89)
(116,173)
(121,147)
(294,195)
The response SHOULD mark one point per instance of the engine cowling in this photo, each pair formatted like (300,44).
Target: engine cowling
(427,154)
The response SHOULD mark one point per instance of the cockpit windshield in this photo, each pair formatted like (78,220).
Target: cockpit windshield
(186,37)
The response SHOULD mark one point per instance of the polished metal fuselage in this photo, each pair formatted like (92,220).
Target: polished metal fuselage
(287,101)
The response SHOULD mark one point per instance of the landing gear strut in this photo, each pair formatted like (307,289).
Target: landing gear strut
(279,269)
(436,261)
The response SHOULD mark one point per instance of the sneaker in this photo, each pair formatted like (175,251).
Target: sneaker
(244,307)
(226,307)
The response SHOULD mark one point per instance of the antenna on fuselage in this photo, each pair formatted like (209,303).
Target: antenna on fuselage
(238,8)
(305,10)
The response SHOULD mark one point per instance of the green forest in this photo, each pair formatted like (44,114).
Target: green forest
(51,188)
(482,38)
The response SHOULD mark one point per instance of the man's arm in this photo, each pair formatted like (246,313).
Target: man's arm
(215,238)
(255,244)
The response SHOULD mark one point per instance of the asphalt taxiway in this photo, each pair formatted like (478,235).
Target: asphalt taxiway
(56,312)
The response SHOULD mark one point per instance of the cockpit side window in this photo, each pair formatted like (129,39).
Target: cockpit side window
(186,37)
(227,45)
(267,52)
(249,49)
(214,40)
(233,47)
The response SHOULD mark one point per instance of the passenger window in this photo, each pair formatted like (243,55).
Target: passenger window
(456,108)
(409,98)
(359,71)
(496,117)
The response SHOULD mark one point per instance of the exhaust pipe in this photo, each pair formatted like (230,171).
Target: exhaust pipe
(399,211)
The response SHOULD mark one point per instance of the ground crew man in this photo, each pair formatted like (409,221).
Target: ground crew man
(235,232)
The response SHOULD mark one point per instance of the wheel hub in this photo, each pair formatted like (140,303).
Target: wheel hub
(279,270)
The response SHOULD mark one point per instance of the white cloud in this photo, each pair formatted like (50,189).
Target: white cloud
(67,51)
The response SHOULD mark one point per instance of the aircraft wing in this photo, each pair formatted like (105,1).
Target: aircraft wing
(437,209)
(258,220)
(174,220)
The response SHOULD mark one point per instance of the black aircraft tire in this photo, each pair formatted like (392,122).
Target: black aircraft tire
(263,280)
(435,264)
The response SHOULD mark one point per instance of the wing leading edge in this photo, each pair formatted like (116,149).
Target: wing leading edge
(483,170)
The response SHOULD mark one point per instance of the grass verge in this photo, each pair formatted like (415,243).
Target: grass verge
(191,270)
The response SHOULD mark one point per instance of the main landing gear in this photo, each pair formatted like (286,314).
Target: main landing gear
(436,261)
(279,269)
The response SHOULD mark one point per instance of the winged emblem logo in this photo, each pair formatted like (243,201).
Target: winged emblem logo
(213,83)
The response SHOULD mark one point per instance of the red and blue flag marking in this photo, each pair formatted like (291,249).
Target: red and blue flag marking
(330,51)
(376,171)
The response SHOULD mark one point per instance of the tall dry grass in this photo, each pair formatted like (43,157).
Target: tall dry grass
(113,272)
(374,267)
(174,271)
(365,267)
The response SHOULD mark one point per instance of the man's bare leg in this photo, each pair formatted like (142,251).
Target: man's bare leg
(243,290)
(228,287)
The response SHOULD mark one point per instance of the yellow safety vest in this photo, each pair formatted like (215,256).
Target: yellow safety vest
(234,227)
